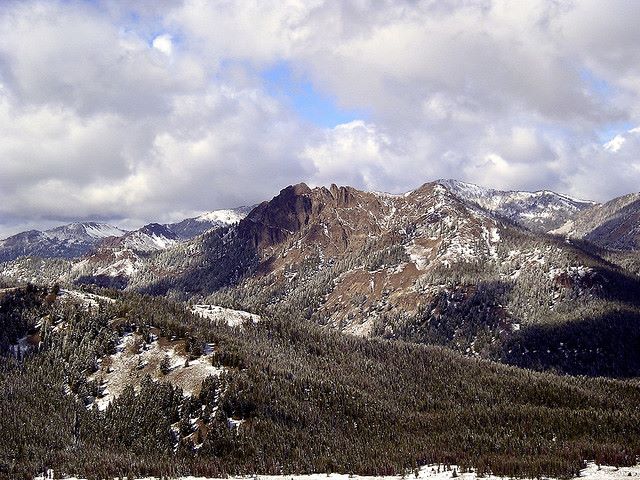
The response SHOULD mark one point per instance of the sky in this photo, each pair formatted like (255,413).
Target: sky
(152,110)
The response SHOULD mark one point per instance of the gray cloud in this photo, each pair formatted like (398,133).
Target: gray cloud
(139,111)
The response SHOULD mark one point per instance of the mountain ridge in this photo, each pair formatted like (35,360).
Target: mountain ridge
(76,239)
(429,266)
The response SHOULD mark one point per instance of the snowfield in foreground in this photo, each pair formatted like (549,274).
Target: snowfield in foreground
(592,472)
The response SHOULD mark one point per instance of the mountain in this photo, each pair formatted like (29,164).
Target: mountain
(149,238)
(67,241)
(427,266)
(430,266)
(192,227)
(77,239)
(473,338)
(614,224)
(540,211)
(114,260)
(98,251)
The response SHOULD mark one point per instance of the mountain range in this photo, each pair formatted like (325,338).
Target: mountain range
(328,329)
(478,270)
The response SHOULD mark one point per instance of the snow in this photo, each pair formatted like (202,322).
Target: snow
(390,195)
(127,365)
(87,299)
(419,255)
(78,232)
(144,242)
(565,229)
(493,198)
(233,318)
(540,208)
(124,267)
(226,217)
(430,472)
(573,271)
(103,230)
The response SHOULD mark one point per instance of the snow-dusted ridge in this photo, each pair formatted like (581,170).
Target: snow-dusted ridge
(222,216)
(431,472)
(542,210)
(478,191)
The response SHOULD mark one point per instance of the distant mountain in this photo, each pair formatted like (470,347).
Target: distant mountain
(116,260)
(67,241)
(540,211)
(77,239)
(614,224)
(192,227)
(150,238)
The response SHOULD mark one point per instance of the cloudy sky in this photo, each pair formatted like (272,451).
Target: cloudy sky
(155,110)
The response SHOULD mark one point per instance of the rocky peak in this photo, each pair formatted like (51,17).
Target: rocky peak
(271,222)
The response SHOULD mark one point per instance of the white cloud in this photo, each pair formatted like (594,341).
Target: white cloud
(141,110)
(615,143)
(163,43)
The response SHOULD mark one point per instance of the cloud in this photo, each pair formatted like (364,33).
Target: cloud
(139,111)
(615,143)
(163,43)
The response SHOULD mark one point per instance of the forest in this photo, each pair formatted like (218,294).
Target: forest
(302,398)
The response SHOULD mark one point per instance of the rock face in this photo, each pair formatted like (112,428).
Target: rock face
(271,222)
(614,225)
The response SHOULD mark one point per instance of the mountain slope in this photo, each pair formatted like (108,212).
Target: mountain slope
(614,224)
(425,266)
(292,397)
(430,266)
(192,227)
(67,241)
(116,259)
(540,211)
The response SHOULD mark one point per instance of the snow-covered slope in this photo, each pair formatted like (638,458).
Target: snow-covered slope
(67,241)
(150,238)
(614,224)
(192,227)
(541,211)
(120,257)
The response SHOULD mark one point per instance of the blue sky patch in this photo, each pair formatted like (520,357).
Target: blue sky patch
(304,98)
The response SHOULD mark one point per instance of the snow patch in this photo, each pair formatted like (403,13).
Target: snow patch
(431,472)
(231,317)
(226,217)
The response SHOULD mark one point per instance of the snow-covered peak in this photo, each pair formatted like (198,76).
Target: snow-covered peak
(150,238)
(66,241)
(226,217)
(541,210)
(192,227)
(80,231)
